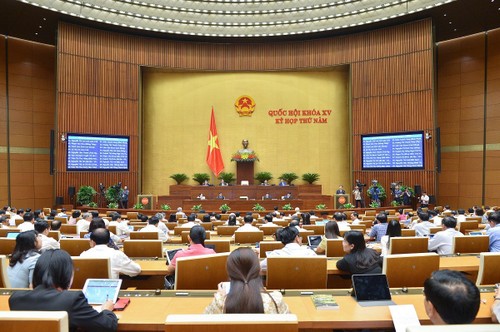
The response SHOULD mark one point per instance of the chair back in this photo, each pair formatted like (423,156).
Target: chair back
(370,213)
(40,321)
(434,230)
(138,235)
(5,231)
(207,226)
(184,236)
(4,278)
(143,248)
(408,245)
(489,273)
(201,272)
(74,247)
(234,322)
(334,248)
(408,233)
(132,215)
(465,225)
(361,228)
(317,229)
(226,230)
(266,246)
(63,220)
(471,244)
(248,237)
(56,235)
(220,246)
(409,270)
(112,228)
(296,272)
(7,246)
(68,229)
(269,230)
(282,223)
(86,268)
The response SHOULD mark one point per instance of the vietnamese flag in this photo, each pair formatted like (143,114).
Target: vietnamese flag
(214,157)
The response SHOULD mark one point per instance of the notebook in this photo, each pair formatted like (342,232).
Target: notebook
(98,291)
(371,290)
(314,240)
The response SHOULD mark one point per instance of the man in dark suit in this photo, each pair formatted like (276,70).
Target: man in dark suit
(52,278)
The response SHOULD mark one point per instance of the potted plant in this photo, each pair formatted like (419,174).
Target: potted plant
(348,206)
(113,194)
(227,177)
(289,177)
(85,195)
(179,177)
(165,207)
(138,206)
(258,207)
(201,177)
(113,205)
(374,204)
(395,203)
(321,206)
(224,208)
(263,176)
(196,207)
(92,204)
(310,177)
(287,207)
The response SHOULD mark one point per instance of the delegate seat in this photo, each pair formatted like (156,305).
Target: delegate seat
(471,244)
(408,233)
(269,230)
(99,268)
(489,273)
(201,272)
(143,248)
(67,229)
(219,246)
(467,225)
(136,235)
(233,322)
(334,248)
(248,237)
(226,230)
(7,246)
(40,321)
(4,278)
(266,246)
(296,272)
(317,229)
(408,245)
(5,231)
(409,270)
(74,247)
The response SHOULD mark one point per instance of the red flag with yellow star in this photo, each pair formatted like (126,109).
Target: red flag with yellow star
(214,157)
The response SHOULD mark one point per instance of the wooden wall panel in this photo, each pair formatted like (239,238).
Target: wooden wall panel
(98,84)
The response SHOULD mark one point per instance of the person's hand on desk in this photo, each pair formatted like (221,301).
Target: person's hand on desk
(108,305)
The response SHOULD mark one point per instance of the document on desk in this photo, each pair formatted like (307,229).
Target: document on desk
(403,316)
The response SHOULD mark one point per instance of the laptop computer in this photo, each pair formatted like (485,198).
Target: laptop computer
(170,254)
(12,235)
(98,291)
(314,240)
(371,290)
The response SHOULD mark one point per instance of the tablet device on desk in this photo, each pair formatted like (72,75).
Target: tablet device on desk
(171,253)
(314,240)
(12,235)
(371,290)
(98,291)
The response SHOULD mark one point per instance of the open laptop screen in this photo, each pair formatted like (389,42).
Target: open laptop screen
(371,287)
(98,291)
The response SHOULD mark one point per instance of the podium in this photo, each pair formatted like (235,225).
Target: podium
(147,200)
(340,200)
(245,171)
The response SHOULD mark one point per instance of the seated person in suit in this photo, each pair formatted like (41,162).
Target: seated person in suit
(287,196)
(266,196)
(290,237)
(282,183)
(120,263)
(223,183)
(358,259)
(451,298)
(246,294)
(196,238)
(220,196)
(52,278)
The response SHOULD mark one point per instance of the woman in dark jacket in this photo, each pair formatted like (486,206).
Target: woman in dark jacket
(358,259)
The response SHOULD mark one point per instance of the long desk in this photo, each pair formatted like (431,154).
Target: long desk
(152,273)
(147,311)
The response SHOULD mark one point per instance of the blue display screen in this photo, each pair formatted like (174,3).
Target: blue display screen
(393,151)
(97,153)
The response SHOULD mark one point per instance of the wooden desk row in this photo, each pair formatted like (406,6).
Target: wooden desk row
(147,311)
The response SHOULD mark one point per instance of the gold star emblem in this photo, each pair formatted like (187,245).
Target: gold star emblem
(212,142)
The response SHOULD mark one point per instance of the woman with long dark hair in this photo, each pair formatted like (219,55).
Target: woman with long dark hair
(244,294)
(331,232)
(52,278)
(393,230)
(23,259)
(358,259)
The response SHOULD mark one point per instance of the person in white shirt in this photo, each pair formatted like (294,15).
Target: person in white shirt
(120,263)
(191,221)
(62,213)
(354,218)
(248,227)
(423,227)
(442,242)
(341,219)
(83,224)
(74,216)
(161,222)
(121,225)
(461,216)
(179,213)
(153,227)
(290,237)
(27,225)
(424,200)
(43,228)
(268,221)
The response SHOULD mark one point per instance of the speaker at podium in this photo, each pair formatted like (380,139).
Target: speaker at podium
(340,200)
(148,201)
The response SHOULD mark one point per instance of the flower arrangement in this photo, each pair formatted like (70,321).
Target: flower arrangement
(113,205)
(165,207)
(138,206)
(347,206)
(287,207)
(196,207)
(321,206)
(224,207)
(258,207)
(244,157)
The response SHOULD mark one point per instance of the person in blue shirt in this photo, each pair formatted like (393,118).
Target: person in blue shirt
(494,231)
(380,227)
